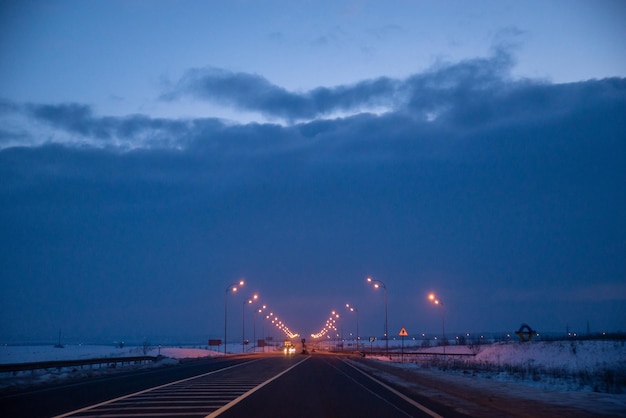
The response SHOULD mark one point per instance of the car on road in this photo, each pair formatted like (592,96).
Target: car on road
(289,348)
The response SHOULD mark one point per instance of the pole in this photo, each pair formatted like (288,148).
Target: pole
(378,283)
(243,327)
(443,329)
(254,331)
(386,327)
(357,330)
(234,289)
(342,336)
(225,314)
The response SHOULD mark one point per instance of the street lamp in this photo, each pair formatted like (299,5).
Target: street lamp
(354,309)
(231,288)
(436,301)
(377,284)
(336,315)
(243,317)
(254,341)
(269,335)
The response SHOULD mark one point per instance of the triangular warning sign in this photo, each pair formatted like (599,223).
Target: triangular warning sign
(403,332)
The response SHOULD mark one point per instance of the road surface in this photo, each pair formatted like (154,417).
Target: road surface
(248,386)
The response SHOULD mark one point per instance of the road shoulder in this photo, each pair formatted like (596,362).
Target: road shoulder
(476,396)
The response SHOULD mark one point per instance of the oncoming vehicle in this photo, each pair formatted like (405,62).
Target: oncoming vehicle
(289,348)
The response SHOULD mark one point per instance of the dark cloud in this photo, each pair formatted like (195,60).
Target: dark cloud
(503,195)
(431,92)
(255,93)
(133,131)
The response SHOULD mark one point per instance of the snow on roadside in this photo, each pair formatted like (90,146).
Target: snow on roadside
(182,352)
(28,354)
(571,355)
(598,366)
(39,353)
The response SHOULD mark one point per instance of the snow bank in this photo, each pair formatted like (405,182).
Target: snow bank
(586,356)
(27,354)
(574,365)
(30,354)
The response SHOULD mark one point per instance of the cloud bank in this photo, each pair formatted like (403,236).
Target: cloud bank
(470,183)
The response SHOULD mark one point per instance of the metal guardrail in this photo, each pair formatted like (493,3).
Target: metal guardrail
(367,353)
(42,365)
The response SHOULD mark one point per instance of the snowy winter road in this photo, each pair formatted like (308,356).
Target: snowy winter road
(319,385)
(62,398)
(271,385)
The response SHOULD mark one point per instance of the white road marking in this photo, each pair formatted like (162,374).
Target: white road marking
(250,392)
(149,390)
(395,392)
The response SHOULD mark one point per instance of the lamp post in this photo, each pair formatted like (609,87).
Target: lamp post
(354,309)
(232,288)
(243,317)
(377,284)
(436,301)
(339,332)
(270,334)
(254,325)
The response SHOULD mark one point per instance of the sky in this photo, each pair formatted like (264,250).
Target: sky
(154,152)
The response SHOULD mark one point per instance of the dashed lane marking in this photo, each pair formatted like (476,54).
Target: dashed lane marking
(250,392)
(191,397)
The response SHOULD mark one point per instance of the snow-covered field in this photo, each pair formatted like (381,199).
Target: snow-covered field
(37,353)
(598,366)
(28,354)
(587,372)
(589,376)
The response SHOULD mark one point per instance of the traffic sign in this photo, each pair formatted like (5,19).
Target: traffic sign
(403,332)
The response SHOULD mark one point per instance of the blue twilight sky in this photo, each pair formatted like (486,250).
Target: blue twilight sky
(153,152)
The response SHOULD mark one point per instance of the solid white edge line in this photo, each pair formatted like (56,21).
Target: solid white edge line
(251,391)
(395,392)
(87,408)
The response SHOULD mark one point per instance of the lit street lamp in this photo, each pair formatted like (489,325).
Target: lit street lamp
(436,301)
(377,284)
(254,341)
(231,288)
(336,315)
(354,309)
(243,317)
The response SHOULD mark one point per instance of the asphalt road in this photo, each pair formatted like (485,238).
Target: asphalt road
(255,386)
(58,399)
(328,386)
